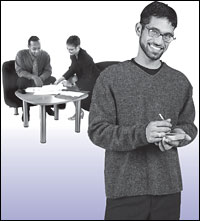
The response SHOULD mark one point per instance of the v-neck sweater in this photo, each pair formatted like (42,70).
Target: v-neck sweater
(125,99)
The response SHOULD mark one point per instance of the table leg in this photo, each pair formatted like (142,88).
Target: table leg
(78,116)
(25,113)
(56,113)
(42,124)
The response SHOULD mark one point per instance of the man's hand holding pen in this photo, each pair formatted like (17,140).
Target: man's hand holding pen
(162,136)
(156,130)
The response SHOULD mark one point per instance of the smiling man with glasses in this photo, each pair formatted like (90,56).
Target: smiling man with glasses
(156,33)
(142,171)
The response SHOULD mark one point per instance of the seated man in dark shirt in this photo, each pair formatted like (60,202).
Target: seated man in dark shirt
(33,68)
(83,70)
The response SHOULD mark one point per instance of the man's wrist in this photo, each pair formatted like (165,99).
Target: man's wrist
(32,77)
(41,77)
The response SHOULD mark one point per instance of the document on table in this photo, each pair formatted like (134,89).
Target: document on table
(71,93)
(54,90)
(46,89)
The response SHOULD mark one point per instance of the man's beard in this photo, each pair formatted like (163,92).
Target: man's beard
(149,54)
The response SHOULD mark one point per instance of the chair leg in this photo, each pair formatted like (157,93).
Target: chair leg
(56,112)
(16,111)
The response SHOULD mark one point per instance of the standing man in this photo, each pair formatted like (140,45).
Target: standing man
(142,171)
(33,68)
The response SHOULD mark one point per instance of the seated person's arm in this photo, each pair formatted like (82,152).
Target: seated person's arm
(59,80)
(71,81)
(67,75)
(22,72)
(47,71)
(20,69)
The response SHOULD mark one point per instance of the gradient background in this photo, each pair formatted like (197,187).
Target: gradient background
(64,178)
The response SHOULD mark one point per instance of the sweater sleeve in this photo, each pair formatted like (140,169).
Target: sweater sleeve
(186,118)
(103,128)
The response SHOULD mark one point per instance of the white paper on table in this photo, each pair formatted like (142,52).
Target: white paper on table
(53,87)
(45,92)
(31,89)
(71,93)
(46,89)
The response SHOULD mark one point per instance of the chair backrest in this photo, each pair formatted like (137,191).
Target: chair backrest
(10,84)
(104,64)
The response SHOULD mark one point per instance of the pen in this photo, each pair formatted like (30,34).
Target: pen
(161,116)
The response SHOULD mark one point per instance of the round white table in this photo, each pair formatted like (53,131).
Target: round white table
(44,100)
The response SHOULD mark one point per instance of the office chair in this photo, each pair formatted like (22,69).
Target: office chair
(85,104)
(10,85)
(104,64)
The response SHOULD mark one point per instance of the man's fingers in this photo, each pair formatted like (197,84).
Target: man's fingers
(170,142)
(156,134)
(161,147)
(167,146)
(163,123)
(155,140)
(187,137)
(162,129)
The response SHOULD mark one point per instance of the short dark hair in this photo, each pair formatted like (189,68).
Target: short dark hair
(159,10)
(32,38)
(73,40)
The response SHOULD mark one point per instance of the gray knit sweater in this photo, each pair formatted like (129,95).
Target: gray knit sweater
(125,99)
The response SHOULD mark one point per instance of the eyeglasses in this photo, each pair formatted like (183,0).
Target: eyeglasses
(71,49)
(155,33)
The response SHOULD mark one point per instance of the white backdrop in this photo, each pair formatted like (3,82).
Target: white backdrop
(107,33)
(106,30)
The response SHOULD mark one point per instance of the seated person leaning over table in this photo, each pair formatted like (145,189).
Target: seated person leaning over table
(85,69)
(33,68)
